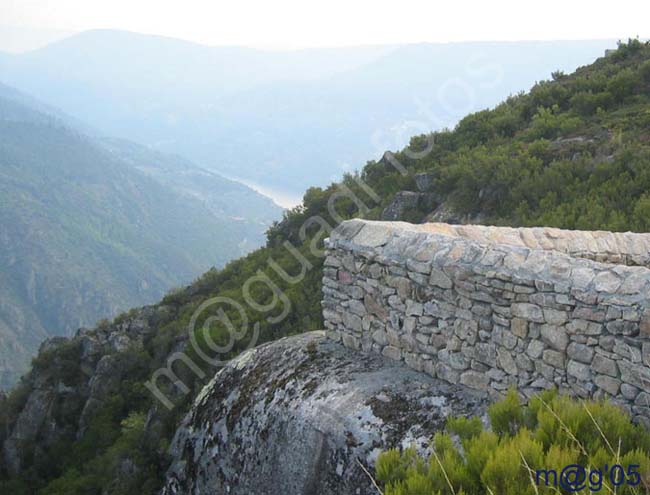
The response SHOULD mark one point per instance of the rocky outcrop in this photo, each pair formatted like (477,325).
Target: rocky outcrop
(70,381)
(428,204)
(425,182)
(301,415)
(405,202)
(494,308)
(445,213)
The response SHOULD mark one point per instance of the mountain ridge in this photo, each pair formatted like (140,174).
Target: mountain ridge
(86,234)
(282,119)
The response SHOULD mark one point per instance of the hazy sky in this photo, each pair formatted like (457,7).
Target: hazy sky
(305,23)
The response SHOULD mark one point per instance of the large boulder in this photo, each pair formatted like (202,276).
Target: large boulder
(301,415)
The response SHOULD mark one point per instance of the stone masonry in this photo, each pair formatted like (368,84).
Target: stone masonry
(493,308)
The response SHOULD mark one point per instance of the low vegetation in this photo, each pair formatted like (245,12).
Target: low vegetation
(554,444)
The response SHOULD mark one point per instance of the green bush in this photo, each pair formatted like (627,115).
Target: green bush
(550,123)
(551,432)
(623,84)
(587,103)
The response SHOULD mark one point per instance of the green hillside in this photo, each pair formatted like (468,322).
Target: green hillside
(84,233)
(573,152)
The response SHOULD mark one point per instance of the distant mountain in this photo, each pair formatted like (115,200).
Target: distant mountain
(285,120)
(222,197)
(91,226)
(21,107)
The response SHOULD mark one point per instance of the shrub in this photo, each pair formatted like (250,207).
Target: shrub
(644,71)
(549,123)
(623,84)
(551,432)
(587,103)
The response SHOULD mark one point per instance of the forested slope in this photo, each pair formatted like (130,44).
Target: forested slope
(87,231)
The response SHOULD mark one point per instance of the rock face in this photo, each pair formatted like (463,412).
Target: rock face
(59,405)
(297,416)
(445,213)
(425,182)
(494,308)
(406,201)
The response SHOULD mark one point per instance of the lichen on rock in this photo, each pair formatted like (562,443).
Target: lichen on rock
(297,416)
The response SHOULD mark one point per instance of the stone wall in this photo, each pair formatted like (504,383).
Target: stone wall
(493,307)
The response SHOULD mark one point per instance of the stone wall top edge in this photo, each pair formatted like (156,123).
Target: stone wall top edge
(571,242)
(393,245)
